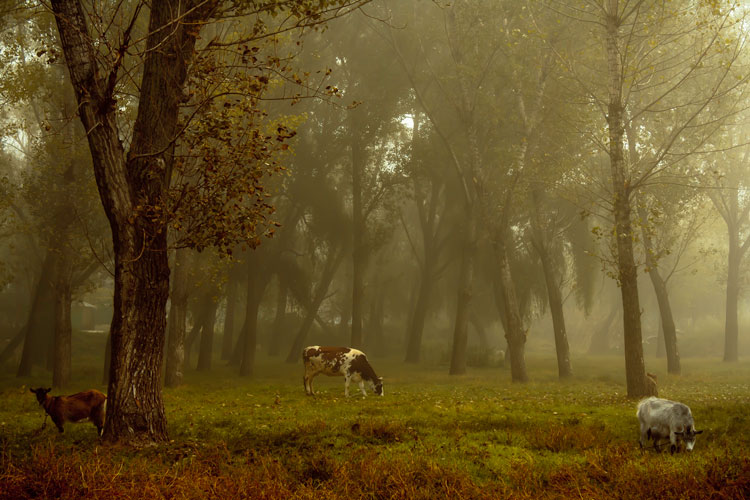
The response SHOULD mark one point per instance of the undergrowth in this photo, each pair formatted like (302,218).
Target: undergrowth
(431,436)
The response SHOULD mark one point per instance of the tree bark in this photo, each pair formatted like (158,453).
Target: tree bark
(132,189)
(175,369)
(627,272)
(107,359)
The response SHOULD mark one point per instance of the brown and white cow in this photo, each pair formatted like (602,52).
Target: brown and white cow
(350,363)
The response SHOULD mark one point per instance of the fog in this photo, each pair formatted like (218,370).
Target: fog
(458,184)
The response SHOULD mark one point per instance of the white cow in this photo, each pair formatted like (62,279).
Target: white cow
(350,363)
(664,419)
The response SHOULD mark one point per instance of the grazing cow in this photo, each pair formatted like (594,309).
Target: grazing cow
(80,407)
(350,363)
(664,419)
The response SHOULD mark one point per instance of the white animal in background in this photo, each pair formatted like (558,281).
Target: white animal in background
(664,419)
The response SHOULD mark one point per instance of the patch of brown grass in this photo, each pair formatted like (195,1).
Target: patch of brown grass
(204,472)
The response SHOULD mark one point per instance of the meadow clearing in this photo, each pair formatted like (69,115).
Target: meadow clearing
(431,436)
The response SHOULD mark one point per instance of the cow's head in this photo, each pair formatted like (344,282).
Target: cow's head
(688,436)
(41,393)
(377,386)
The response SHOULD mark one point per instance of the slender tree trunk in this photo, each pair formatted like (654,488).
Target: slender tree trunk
(359,251)
(206,348)
(14,343)
(564,369)
(731,326)
(279,321)
(463,300)
(175,369)
(416,325)
(333,261)
(257,281)
(661,348)
(667,321)
(635,371)
(515,335)
(41,321)
(63,335)
(226,341)
(199,311)
(249,331)
(375,323)
(428,276)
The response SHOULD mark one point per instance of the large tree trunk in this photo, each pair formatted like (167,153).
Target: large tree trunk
(175,369)
(627,271)
(131,190)
(731,325)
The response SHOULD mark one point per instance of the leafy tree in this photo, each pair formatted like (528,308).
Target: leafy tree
(134,184)
(656,70)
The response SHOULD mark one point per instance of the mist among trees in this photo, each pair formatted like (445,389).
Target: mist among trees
(461,184)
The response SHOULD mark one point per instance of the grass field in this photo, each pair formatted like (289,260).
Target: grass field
(430,436)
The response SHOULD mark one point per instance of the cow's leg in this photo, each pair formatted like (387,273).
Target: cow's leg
(346,386)
(58,423)
(673,442)
(362,388)
(304,383)
(310,383)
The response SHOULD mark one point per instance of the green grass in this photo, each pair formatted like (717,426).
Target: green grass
(431,435)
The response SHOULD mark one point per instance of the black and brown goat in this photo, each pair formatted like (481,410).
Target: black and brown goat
(80,407)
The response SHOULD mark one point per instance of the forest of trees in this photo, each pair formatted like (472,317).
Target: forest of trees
(422,179)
